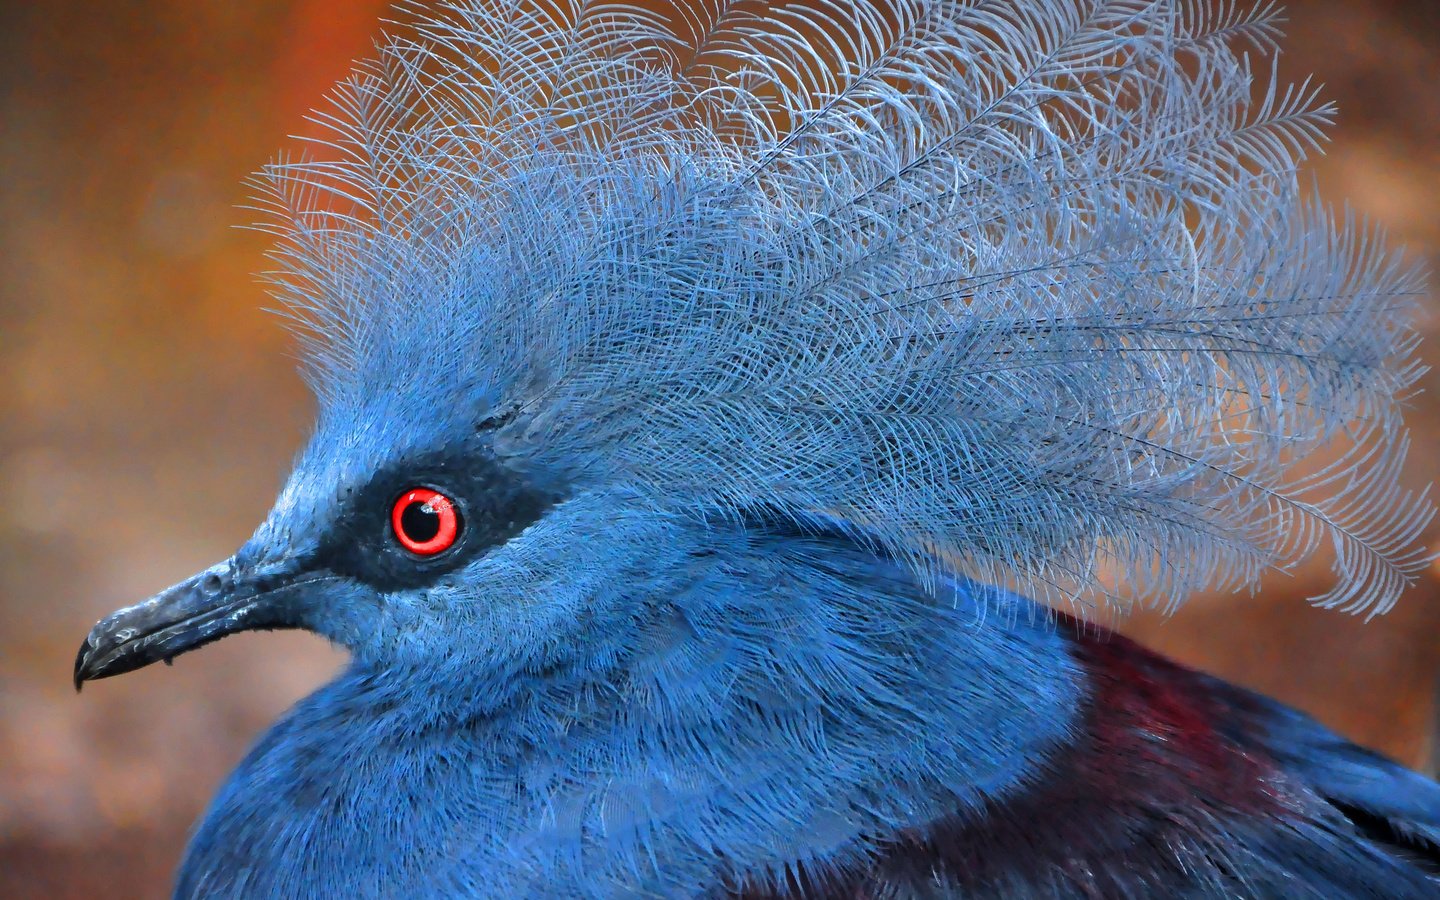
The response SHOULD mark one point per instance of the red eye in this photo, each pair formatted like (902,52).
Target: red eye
(426,522)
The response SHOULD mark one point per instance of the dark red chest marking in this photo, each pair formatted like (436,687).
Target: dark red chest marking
(1177,731)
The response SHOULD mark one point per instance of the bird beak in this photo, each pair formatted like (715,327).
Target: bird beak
(195,612)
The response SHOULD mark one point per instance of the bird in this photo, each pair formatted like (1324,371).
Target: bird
(737,424)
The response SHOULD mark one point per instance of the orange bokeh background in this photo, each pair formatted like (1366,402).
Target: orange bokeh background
(150,406)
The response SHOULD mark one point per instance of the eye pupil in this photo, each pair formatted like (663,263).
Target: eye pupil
(425,522)
(419,522)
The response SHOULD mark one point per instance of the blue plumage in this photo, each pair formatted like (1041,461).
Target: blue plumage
(722,723)
(736,351)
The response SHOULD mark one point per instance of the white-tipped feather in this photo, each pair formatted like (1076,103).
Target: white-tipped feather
(1024,288)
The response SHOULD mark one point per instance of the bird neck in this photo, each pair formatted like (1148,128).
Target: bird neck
(785,675)
(778,703)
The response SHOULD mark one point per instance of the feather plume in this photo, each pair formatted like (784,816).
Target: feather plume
(1029,291)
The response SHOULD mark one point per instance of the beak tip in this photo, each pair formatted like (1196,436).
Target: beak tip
(80,660)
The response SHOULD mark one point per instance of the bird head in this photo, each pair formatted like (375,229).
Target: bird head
(378,541)
(572,279)
(438,477)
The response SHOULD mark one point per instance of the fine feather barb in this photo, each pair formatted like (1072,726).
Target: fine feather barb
(1025,290)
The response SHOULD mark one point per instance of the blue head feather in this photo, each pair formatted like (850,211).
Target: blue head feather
(1024,290)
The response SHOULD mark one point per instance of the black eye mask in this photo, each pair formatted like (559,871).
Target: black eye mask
(488,504)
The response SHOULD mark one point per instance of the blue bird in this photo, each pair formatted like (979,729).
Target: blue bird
(726,412)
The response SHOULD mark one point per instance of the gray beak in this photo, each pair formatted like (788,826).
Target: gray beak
(195,612)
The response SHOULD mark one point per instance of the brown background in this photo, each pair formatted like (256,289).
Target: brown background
(148,407)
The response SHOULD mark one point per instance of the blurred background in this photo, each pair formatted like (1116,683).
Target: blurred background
(149,406)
